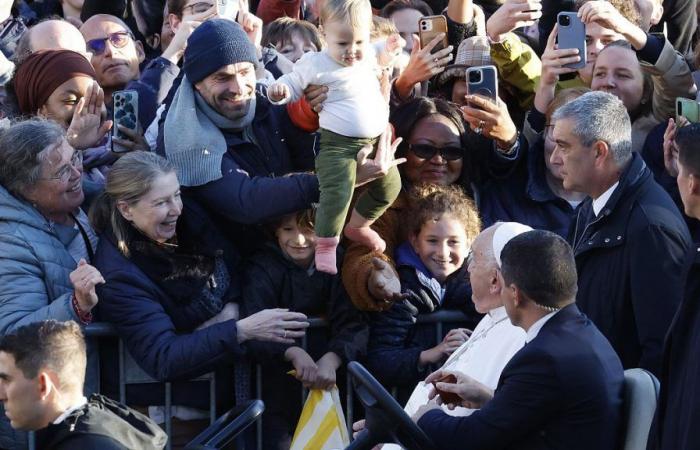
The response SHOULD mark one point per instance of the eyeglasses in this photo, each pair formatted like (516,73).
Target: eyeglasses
(76,162)
(118,40)
(199,7)
(425,151)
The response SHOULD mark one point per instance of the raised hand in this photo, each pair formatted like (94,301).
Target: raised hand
(511,15)
(86,128)
(493,119)
(383,161)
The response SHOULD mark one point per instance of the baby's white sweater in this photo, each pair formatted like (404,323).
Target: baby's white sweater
(355,106)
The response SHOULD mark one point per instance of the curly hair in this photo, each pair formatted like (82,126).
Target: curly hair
(430,202)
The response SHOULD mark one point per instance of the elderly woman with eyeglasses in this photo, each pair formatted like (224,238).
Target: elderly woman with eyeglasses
(46,242)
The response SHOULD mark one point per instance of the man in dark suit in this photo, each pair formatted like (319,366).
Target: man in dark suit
(629,238)
(678,410)
(563,390)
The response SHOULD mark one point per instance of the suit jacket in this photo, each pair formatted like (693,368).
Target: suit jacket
(563,390)
(630,262)
(678,410)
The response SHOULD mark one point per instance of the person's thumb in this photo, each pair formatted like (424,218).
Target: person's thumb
(447,387)
(378,263)
(82,262)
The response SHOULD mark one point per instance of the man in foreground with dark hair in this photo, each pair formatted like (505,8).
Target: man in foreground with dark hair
(678,409)
(42,371)
(563,390)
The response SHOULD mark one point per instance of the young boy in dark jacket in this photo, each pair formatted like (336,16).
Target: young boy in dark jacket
(282,275)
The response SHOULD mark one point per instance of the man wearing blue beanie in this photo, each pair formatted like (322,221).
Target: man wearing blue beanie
(229,144)
(231,147)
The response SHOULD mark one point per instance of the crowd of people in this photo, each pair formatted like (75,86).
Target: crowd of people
(293,159)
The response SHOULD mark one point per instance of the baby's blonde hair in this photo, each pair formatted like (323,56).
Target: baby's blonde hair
(353,11)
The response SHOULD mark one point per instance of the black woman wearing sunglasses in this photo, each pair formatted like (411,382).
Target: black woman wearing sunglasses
(438,150)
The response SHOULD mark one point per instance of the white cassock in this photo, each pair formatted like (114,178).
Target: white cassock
(483,356)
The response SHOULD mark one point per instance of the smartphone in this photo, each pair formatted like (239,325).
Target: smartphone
(572,34)
(125,112)
(431,26)
(690,109)
(228,9)
(483,80)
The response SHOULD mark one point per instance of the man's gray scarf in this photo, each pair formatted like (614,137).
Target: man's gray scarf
(193,139)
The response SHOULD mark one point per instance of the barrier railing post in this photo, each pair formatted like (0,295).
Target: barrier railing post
(169,415)
(99,330)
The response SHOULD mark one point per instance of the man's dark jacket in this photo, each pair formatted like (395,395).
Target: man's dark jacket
(253,188)
(562,391)
(678,409)
(102,424)
(630,261)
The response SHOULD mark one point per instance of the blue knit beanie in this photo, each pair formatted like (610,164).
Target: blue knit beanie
(214,44)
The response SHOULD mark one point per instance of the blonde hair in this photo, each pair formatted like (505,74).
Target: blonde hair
(129,179)
(382,28)
(353,11)
(431,202)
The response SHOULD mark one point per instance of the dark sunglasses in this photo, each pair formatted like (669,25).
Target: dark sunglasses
(425,151)
(118,40)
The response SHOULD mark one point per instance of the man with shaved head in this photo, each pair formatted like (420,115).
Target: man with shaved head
(116,55)
(53,34)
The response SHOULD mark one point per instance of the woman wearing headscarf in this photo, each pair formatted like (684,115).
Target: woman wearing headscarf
(61,85)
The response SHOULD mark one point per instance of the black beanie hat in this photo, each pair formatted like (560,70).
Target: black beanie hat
(214,44)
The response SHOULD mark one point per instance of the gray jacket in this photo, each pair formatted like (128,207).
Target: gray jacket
(35,285)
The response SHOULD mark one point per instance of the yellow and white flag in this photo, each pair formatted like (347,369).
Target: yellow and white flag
(322,423)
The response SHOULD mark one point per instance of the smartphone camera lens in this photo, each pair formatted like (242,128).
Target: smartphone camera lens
(564,21)
(475,77)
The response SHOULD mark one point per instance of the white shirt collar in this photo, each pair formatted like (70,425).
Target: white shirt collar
(537,326)
(497,313)
(68,412)
(599,203)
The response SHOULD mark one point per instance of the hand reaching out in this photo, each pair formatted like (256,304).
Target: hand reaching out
(272,325)
(383,161)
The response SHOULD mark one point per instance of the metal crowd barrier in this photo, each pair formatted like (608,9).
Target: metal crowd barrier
(101,331)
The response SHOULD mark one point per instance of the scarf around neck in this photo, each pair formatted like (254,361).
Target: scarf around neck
(193,139)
